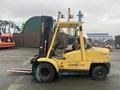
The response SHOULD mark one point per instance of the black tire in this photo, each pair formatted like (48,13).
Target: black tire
(99,72)
(33,71)
(45,72)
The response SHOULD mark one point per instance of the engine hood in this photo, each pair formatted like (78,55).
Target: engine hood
(102,50)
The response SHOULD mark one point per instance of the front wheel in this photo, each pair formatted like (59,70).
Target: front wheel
(45,72)
(99,72)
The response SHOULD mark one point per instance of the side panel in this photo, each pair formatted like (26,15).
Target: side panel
(73,61)
(95,56)
(76,65)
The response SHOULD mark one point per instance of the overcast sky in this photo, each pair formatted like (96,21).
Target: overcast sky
(99,15)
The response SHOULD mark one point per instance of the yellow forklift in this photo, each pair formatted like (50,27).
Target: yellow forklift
(84,59)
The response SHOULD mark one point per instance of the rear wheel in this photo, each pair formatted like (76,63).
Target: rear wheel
(99,72)
(45,72)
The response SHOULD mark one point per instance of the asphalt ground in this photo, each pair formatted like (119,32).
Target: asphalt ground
(20,57)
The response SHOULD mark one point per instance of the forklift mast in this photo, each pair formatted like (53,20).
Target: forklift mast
(45,33)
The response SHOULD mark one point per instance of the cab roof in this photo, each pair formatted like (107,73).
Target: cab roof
(69,24)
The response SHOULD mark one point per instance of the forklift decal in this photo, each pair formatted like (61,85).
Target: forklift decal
(76,65)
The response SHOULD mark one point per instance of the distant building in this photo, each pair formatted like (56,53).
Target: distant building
(99,36)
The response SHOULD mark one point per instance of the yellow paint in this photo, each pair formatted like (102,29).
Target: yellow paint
(51,61)
(82,45)
(53,40)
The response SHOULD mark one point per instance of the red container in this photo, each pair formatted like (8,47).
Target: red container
(7,41)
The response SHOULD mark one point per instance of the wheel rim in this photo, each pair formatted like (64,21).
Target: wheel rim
(100,73)
(45,72)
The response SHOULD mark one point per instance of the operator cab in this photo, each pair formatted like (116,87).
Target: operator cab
(67,43)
